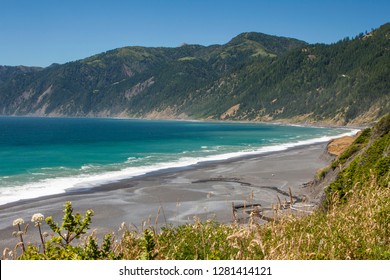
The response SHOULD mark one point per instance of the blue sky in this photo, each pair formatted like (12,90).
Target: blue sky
(42,32)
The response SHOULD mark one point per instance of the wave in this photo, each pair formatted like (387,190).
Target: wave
(84,181)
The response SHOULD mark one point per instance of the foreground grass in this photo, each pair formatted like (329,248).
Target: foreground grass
(358,229)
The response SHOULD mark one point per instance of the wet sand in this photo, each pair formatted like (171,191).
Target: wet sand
(176,196)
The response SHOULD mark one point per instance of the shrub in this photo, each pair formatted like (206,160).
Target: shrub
(59,246)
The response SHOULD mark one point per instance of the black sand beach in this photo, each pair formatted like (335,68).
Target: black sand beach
(176,196)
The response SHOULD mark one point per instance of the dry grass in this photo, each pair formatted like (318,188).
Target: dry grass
(358,229)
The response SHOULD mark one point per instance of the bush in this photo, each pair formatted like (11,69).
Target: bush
(59,246)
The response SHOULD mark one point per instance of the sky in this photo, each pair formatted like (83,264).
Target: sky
(42,32)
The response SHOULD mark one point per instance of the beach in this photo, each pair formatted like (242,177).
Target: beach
(176,196)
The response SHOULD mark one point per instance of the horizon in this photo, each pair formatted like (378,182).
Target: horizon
(43,33)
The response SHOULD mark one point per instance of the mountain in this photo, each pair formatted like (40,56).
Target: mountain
(8,73)
(253,77)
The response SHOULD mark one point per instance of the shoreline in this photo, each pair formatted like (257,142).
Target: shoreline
(160,172)
(275,122)
(111,177)
(175,195)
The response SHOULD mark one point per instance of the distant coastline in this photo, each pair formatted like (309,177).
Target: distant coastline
(287,122)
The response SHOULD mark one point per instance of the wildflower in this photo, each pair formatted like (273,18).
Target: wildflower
(18,222)
(37,218)
(19,233)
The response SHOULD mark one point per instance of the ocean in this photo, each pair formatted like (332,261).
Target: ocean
(45,156)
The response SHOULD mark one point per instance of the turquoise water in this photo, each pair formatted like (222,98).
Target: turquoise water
(43,156)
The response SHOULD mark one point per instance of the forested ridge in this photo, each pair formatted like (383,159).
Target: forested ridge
(254,77)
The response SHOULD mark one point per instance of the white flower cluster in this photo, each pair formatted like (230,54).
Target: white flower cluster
(38,218)
(18,222)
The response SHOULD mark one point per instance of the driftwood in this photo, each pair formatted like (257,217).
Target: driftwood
(255,209)
(230,180)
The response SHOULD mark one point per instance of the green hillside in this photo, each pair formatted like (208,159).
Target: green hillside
(253,77)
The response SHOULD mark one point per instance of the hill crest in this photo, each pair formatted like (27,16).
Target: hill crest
(267,78)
